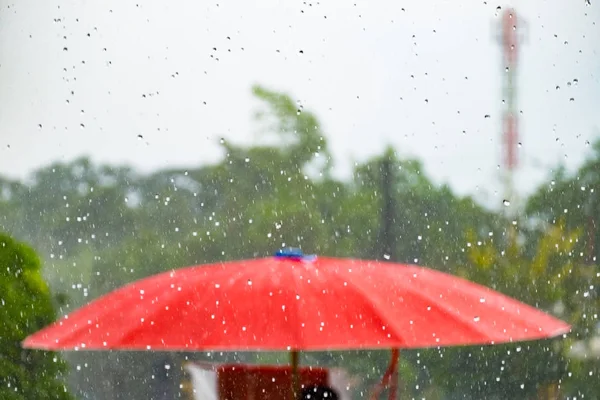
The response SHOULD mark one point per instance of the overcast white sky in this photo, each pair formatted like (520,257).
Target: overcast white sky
(366,69)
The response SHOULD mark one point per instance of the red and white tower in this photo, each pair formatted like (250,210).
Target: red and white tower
(510,35)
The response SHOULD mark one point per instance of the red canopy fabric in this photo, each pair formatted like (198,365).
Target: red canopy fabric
(297,303)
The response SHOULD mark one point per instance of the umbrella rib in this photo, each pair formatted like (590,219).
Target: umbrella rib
(165,300)
(371,303)
(149,315)
(509,300)
(299,338)
(397,331)
(457,316)
(449,311)
(493,334)
(98,315)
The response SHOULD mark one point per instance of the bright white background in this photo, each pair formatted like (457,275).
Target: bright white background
(366,69)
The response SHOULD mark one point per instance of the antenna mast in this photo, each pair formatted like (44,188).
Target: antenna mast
(509,40)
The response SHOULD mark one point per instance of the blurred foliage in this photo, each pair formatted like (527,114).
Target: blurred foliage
(25,307)
(552,280)
(100,227)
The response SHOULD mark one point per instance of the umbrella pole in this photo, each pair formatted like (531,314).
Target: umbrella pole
(295,361)
(389,380)
(394,374)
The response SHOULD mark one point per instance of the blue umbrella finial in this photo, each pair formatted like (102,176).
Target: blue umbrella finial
(294,254)
(289,253)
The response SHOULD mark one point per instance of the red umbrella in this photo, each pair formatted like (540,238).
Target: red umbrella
(295,302)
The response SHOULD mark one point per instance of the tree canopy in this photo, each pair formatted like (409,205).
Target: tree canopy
(25,306)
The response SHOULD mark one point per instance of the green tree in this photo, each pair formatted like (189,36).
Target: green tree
(553,279)
(573,198)
(25,307)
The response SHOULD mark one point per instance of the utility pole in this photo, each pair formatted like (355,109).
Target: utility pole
(388,240)
(387,210)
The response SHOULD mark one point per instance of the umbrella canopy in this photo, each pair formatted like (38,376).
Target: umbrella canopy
(296,302)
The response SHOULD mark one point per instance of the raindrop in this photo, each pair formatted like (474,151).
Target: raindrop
(506,202)
(476,319)
(249,282)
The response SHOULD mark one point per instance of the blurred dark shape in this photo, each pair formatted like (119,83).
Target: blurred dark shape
(318,393)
